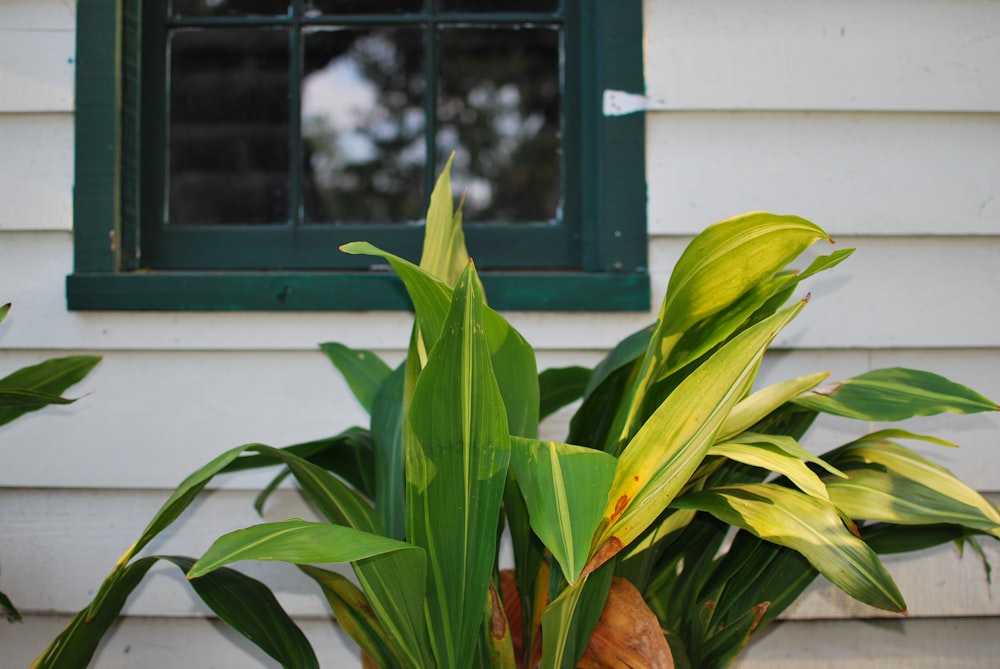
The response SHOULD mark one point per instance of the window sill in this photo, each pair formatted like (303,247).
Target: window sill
(343,291)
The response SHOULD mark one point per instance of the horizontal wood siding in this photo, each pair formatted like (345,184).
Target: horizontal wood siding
(869,55)
(880,120)
(895,292)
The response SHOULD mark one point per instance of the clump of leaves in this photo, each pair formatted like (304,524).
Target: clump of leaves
(671,446)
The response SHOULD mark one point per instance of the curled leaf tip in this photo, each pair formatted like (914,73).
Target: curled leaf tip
(608,550)
(807,298)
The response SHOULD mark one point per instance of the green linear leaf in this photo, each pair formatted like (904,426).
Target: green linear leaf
(298,542)
(354,614)
(47,379)
(764,453)
(250,608)
(808,525)
(896,394)
(754,408)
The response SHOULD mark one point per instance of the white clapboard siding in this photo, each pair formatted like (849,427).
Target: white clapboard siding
(87,530)
(927,55)
(954,643)
(880,120)
(36,171)
(854,174)
(151,643)
(37,53)
(149,418)
(913,292)
(167,643)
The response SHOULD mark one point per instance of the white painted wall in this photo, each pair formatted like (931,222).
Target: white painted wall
(878,119)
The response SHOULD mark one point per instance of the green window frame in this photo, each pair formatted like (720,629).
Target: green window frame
(599,249)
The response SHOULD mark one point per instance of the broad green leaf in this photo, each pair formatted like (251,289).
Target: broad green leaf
(444,254)
(48,378)
(298,542)
(565,488)
(363,370)
(457,452)
(354,614)
(250,608)
(749,411)
(896,394)
(431,297)
(888,482)
(387,433)
(668,448)
(808,525)
(513,358)
(4,309)
(723,277)
(780,454)
(560,387)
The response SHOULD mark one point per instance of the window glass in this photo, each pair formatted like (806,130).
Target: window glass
(499,5)
(228,126)
(230,7)
(498,108)
(363,6)
(363,125)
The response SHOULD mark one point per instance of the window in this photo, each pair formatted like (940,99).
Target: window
(226,148)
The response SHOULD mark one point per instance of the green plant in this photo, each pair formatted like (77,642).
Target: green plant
(32,388)
(670,447)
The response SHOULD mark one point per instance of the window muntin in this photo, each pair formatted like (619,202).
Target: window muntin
(122,261)
(294,129)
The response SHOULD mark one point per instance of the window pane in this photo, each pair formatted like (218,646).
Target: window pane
(499,109)
(363,125)
(500,5)
(229,7)
(228,132)
(363,6)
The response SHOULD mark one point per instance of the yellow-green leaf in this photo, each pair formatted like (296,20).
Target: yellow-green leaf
(891,483)
(896,394)
(758,405)
(668,448)
(808,525)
